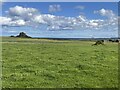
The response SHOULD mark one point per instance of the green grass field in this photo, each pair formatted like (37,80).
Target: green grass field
(42,63)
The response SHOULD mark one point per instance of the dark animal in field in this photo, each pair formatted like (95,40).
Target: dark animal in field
(23,35)
(114,40)
(100,42)
(12,36)
(110,40)
(117,41)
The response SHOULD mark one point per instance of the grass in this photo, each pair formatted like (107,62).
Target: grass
(42,63)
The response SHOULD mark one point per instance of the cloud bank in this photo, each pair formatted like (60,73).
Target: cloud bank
(21,16)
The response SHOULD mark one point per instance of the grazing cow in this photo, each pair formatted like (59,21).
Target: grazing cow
(100,42)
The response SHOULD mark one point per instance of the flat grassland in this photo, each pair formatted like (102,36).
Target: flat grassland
(43,63)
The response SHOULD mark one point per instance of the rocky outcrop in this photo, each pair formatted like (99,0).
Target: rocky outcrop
(23,35)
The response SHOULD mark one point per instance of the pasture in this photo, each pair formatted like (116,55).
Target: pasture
(43,63)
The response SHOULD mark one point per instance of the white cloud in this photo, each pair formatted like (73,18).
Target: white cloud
(19,11)
(80,7)
(104,12)
(38,19)
(93,24)
(18,23)
(54,8)
(96,23)
(81,18)
(20,16)
(5,20)
(112,20)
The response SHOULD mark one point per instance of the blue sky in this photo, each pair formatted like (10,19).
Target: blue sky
(68,8)
(61,19)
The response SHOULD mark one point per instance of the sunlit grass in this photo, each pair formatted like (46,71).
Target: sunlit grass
(59,64)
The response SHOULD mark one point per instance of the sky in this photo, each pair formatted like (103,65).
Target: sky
(60,19)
